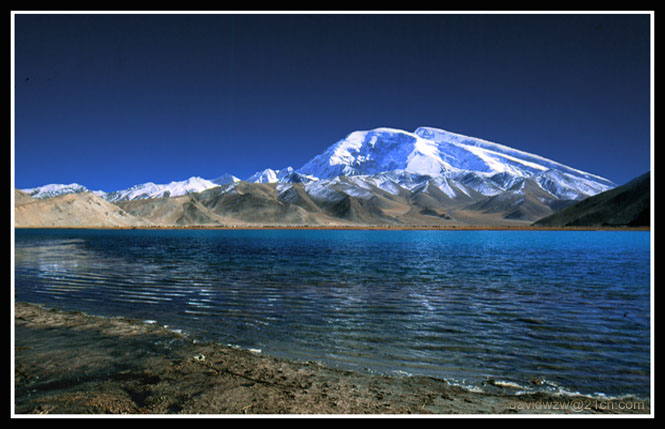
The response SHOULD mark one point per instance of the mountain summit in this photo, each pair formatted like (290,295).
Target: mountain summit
(487,167)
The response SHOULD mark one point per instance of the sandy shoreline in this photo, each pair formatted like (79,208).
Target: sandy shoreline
(353,227)
(73,363)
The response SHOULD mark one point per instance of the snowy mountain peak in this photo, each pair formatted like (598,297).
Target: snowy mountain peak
(226,179)
(152,190)
(363,152)
(53,190)
(266,176)
(484,166)
(285,175)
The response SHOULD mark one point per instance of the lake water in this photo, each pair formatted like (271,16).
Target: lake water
(569,309)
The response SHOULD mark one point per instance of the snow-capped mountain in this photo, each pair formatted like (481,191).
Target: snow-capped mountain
(285,175)
(464,162)
(395,161)
(266,176)
(383,176)
(53,190)
(151,190)
(226,179)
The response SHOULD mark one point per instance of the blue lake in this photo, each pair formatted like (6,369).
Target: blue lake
(560,311)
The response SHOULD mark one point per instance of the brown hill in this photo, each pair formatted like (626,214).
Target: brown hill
(180,211)
(72,210)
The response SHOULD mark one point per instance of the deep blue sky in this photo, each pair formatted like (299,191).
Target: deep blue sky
(109,101)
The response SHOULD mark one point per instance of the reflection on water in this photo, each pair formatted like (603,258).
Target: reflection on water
(570,308)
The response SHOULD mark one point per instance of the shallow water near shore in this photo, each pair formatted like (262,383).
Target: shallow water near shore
(519,311)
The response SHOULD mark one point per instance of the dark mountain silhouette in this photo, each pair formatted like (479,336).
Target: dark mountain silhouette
(627,205)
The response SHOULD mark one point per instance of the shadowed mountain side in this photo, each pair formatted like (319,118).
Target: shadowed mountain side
(341,203)
(73,210)
(238,204)
(180,211)
(253,204)
(525,201)
(627,205)
(291,204)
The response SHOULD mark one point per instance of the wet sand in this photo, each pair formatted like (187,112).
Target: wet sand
(73,363)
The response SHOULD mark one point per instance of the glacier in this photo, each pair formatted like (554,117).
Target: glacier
(428,151)
(466,163)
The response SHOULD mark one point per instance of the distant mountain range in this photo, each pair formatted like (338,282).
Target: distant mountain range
(383,176)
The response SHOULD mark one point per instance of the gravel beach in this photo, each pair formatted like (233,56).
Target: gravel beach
(70,363)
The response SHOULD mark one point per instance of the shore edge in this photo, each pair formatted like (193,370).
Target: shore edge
(72,363)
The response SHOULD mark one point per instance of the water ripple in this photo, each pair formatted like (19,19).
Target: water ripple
(572,308)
